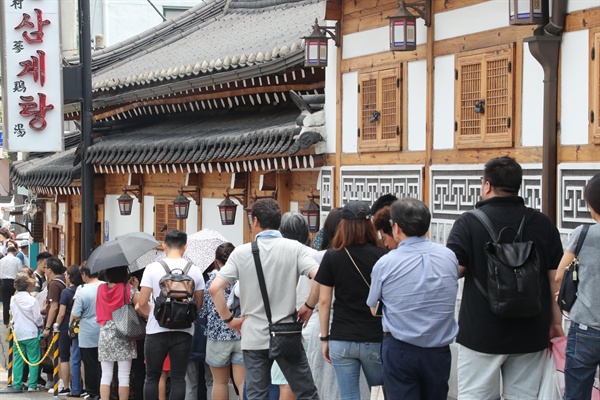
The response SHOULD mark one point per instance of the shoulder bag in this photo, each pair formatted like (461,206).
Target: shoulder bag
(379,306)
(285,337)
(568,287)
(129,324)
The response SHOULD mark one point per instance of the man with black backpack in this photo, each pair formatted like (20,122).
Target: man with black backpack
(508,254)
(171,295)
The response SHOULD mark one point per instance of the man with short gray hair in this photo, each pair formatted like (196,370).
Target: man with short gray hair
(417,283)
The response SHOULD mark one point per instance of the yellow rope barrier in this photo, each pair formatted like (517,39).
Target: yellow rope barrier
(54,339)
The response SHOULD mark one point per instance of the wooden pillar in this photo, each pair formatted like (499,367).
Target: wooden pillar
(429,110)
(335,184)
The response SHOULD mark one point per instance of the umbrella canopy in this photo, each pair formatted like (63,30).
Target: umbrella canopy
(124,250)
(201,247)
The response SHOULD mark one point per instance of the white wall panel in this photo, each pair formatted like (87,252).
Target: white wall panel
(485,16)
(417,104)
(533,100)
(576,5)
(349,112)
(191,224)
(574,81)
(443,118)
(375,40)
(148,204)
(120,224)
(212,220)
(62,210)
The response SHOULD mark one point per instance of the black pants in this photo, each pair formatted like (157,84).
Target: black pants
(8,288)
(178,346)
(89,356)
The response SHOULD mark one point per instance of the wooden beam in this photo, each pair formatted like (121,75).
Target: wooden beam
(447,5)
(333,10)
(482,40)
(378,60)
(583,19)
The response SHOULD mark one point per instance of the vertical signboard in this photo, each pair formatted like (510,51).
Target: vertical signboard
(31,75)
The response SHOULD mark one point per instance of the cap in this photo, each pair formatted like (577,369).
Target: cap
(24,243)
(356,210)
(22,281)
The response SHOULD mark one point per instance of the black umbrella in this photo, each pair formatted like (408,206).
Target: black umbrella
(124,250)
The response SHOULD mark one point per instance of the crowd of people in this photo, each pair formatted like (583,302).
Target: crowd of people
(375,295)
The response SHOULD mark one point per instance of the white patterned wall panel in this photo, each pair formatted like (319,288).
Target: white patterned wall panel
(326,189)
(573,209)
(369,183)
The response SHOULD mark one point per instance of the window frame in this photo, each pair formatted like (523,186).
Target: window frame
(485,139)
(594,94)
(179,223)
(382,144)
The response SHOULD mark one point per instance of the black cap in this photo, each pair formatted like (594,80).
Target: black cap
(356,210)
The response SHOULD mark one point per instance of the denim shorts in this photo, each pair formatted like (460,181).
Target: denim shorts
(221,353)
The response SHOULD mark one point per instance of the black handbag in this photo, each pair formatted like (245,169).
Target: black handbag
(285,338)
(570,281)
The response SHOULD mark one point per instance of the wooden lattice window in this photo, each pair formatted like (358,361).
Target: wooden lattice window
(379,124)
(595,86)
(484,106)
(165,220)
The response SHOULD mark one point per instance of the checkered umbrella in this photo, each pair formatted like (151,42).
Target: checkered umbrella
(201,247)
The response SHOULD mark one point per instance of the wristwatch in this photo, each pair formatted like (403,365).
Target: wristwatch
(324,338)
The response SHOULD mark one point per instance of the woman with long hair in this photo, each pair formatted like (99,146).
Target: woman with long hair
(583,343)
(112,348)
(224,346)
(354,340)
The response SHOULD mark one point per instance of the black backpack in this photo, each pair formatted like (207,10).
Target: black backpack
(175,306)
(514,281)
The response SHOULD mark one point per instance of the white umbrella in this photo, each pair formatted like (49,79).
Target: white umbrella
(201,247)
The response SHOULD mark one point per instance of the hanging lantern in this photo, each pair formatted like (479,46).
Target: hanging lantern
(403,30)
(182,206)
(227,209)
(315,48)
(248,211)
(125,203)
(525,12)
(311,212)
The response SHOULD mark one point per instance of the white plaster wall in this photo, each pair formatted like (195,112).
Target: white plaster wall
(148,204)
(417,91)
(62,211)
(120,224)
(330,97)
(443,117)
(576,5)
(349,112)
(574,81)
(467,20)
(191,224)
(212,220)
(533,101)
(375,40)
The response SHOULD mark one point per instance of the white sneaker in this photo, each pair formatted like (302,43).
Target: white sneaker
(61,386)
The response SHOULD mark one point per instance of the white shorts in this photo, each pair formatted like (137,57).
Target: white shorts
(480,375)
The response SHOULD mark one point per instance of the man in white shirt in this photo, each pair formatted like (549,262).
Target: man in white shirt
(283,261)
(26,319)
(161,341)
(9,266)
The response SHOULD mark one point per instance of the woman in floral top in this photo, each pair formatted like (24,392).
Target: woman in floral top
(223,347)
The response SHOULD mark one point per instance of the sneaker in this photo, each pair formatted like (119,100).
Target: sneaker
(74,395)
(49,385)
(35,389)
(65,392)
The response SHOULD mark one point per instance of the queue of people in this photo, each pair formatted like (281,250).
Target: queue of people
(377,299)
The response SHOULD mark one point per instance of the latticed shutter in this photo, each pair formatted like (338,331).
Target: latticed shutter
(488,79)
(595,87)
(164,214)
(379,91)
(368,94)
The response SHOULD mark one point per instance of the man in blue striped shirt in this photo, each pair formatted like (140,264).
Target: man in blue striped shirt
(417,283)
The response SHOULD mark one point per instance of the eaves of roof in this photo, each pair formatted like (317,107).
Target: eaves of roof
(56,170)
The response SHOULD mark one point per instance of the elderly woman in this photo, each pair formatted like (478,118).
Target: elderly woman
(27,320)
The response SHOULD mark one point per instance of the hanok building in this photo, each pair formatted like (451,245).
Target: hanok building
(217,98)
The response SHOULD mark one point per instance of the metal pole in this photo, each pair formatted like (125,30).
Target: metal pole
(55,360)
(88,220)
(9,381)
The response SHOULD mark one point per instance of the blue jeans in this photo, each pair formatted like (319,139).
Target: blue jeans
(582,359)
(412,373)
(347,359)
(75,367)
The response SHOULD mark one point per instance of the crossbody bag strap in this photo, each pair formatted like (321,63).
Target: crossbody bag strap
(358,269)
(23,313)
(581,239)
(261,280)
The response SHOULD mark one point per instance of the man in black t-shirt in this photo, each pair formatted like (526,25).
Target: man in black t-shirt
(491,346)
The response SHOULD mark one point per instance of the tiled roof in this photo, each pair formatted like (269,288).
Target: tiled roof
(56,170)
(249,33)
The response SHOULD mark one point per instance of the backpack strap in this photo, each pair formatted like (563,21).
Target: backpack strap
(187,267)
(165,266)
(60,280)
(487,223)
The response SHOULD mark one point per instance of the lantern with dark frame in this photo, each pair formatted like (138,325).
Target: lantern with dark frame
(253,199)
(528,12)
(311,212)
(227,208)
(126,201)
(315,45)
(182,203)
(403,25)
